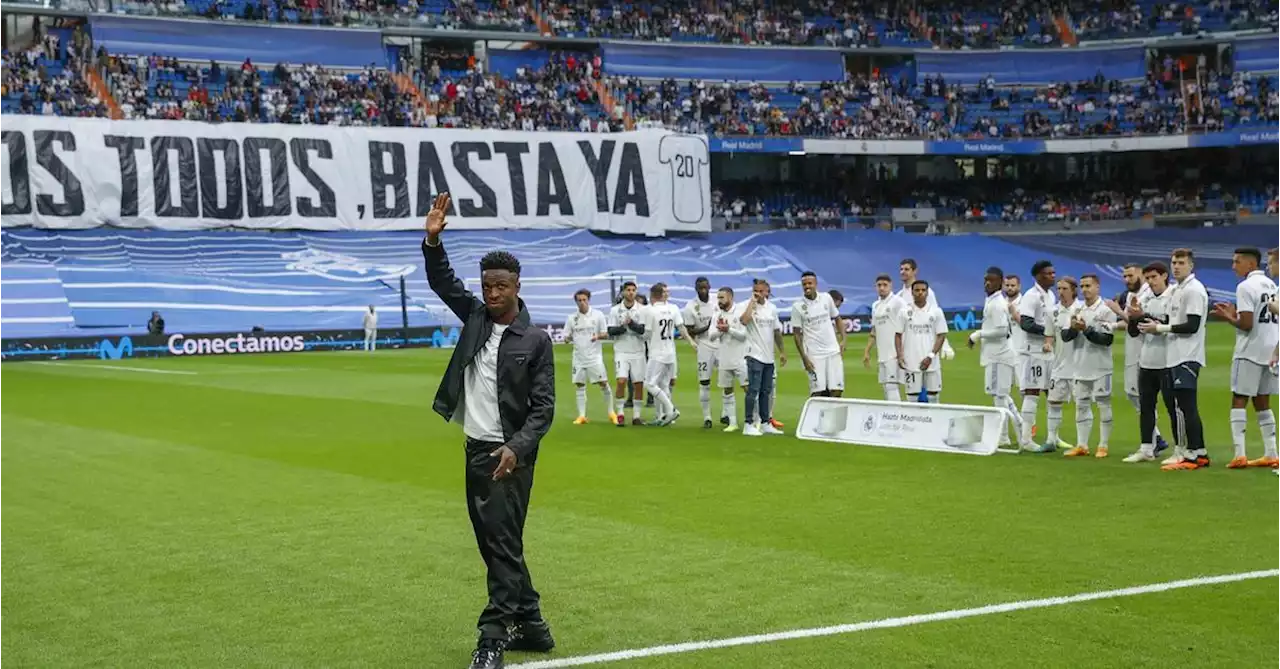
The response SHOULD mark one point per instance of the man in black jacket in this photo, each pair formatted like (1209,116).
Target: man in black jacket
(500,385)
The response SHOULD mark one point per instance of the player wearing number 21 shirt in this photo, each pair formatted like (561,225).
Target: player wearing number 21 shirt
(661,322)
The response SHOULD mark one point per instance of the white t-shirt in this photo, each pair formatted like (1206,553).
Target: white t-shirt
(579,330)
(923,327)
(1188,298)
(370,320)
(1037,303)
(480,419)
(888,318)
(997,325)
(1155,347)
(627,344)
(660,323)
(1064,352)
(1252,296)
(733,343)
(764,322)
(686,156)
(1093,361)
(814,320)
(699,314)
(1018,338)
(1132,345)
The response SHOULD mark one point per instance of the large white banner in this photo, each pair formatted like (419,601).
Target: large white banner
(944,428)
(184,175)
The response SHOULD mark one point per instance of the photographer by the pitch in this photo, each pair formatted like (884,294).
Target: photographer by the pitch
(500,385)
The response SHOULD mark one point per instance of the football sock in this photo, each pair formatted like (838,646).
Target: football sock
(730,405)
(1030,403)
(580,394)
(1104,422)
(704,398)
(1054,414)
(1239,422)
(1267,421)
(607,397)
(1084,422)
(891,393)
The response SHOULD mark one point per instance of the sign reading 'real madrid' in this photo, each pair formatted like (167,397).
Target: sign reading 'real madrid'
(183,175)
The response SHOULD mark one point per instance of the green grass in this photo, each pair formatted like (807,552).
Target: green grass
(307,511)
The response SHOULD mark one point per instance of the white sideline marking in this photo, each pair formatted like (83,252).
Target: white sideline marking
(116,368)
(904,621)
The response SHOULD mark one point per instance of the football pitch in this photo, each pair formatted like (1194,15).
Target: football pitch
(308,511)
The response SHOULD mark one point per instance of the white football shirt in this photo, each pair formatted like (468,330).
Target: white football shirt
(1037,303)
(923,327)
(660,323)
(699,314)
(732,343)
(814,320)
(1064,352)
(627,344)
(1018,338)
(1132,345)
(1252,296)
(1188,298)
(764,322)
(1093,361)
(888,318)
(579,330)
(686,156)
(1155,347)
(997,326)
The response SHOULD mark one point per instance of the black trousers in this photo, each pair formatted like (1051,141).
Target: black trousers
(1153,383)
(498,509)
(1184,382)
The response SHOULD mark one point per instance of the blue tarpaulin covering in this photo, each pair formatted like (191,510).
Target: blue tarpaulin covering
(1257,55)
(1027,66)
(234,42)
(723,63)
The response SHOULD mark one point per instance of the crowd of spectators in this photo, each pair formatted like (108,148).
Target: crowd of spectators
(47,78)
(1117,19)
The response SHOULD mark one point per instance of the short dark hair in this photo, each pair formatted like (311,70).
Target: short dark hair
(1157,267)
(1184,253)
(836,295)
(996,272)
(500,260)
(1091,276)
(1040,266)
(1015,277)
(1251,251)
(702,279)
(1133,265)
(919,282)
(656,289)
(808,273)
(582,291)
(909,262)
(759,282)
(726,289)
(628,283)
(884,277)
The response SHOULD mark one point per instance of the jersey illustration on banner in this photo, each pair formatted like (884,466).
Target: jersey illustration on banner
(686,157)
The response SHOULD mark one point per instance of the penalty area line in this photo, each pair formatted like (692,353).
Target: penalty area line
(886,623)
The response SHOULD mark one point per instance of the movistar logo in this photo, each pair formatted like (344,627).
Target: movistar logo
(109,351)
(964,321)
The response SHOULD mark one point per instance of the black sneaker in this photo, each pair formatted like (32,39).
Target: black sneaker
(532,636)
(706,424)
(488,655)
(724,420)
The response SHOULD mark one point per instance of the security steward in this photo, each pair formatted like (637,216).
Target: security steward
(500,386)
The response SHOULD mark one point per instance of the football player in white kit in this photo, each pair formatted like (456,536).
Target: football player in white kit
(661,322)
(1035,310)
(1062,373)
(730,335)
(909,271)
(888,322)
(1153,360)
(1013,293)
(998,357)
(926,332)
(584,330)
(814,323)
(1094,323)
(627,330)
(1252,377)
(698,314)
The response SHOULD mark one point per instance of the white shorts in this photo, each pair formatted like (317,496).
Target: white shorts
(1131,380)
(589,373)
(1093,390)
(827,374)
(1250,379)
(1020,369)
(629,368)
(1035,374)
(999,379)
(1059,391)
(707,363)
(930,380)
(660,374)
(890,372)
(730,374)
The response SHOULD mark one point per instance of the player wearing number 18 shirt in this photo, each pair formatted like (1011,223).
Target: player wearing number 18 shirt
(1035,317)
(697,316)
(1251,373)
(661,322)
(922,340)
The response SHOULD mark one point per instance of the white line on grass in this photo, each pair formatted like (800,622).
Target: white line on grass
(904,621)
(116,368)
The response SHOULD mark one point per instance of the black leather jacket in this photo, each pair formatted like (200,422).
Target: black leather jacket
(526,363)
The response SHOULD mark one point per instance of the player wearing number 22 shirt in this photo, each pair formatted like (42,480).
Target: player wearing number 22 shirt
(661,322)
